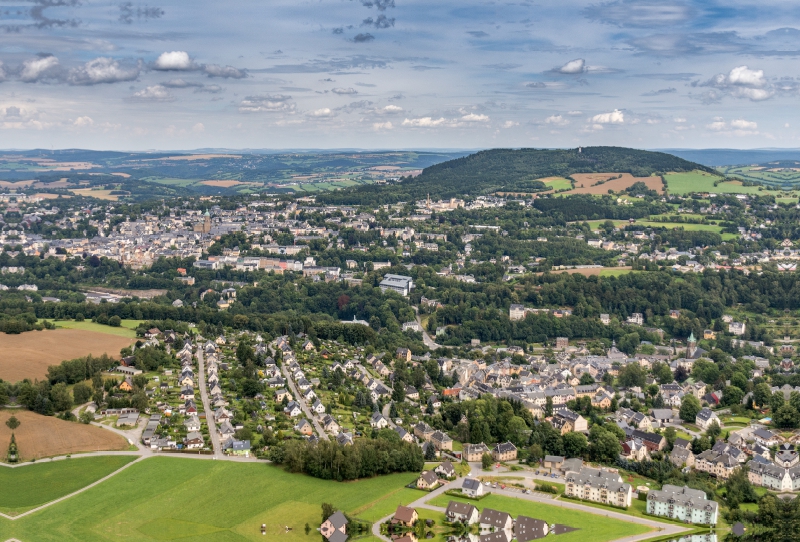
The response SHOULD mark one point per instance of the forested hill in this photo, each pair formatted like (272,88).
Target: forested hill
(512,171)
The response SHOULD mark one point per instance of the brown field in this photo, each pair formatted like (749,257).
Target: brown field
(16,184)
(28,354)
(62,183)
(45,195)
(99,194)
(46,436)
(221,184)
(586,183)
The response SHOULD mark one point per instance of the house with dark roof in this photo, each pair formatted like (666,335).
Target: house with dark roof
(495,520)
(445,469)
(334,529)
(405,516)
(504,451)
(474,452)
(472,487)
(461,512)
(427,480)
(527,529)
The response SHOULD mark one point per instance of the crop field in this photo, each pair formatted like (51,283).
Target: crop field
(29,354)
(591,526)
(99,194)
(587,183)
(167,498)
(557,183)
(126,328)
(46,436)
(700,181)
(34,485)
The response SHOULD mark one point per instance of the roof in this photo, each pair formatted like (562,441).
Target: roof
(495,518)
(527,528)
(404,514)
(338,520)
(429,477)
(460,508)
(471,484)
(505,447)
(553,459)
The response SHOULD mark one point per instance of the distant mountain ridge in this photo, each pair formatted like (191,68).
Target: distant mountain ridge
(513,170)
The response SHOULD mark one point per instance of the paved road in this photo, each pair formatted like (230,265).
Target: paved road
(302,402)
(425,337)
(212,426)
(660,529)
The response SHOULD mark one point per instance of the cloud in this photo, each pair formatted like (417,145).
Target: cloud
(343,91)
(199,128)
(661,92)
(472,117)
(363,38)
(740,82)
(510,124)
(102,70)
(381,22)
(477,33)
(321,113)
(742,124)
(424,122)
(338,30)
(80,122)
(391,109)
(227,72)
(361,62)
(382,5)
(573,66)
(575,113)
(33,70)
(737,127)
(127,13)
(174,61)
(210,89)
(640,13)
(181,83)
(154,93)
(613,117)
(2,72)
(267,103)
(556,120)
(382,126)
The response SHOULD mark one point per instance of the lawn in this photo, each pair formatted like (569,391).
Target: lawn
(33,485)
(700,181)
(557,183)
(126,328)
(596,528)
(166,498)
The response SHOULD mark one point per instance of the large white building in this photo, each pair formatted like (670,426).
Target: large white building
(682,503)
(598,485)
(399,283)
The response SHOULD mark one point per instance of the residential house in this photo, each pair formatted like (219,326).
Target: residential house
(427,480)
(598,485)
(505,451)
(495,520)
(705,418)
(405,516)
(474,452)
(445,470)
(334,529)
(472,487)
(461,512)
(682,503)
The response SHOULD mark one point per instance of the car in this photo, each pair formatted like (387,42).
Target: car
(527,492)
(494,485)
(487,484)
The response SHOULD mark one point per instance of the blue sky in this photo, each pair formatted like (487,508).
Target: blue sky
(398,74)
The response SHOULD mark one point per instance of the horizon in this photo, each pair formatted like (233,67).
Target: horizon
(399,74)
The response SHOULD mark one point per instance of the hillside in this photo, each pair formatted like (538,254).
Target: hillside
(512,170)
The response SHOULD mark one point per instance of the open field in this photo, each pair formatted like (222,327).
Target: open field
(222,184)
(586,183)
(594,271)
(700,181)
(165,498)
(591,527)
(29,354)
(35,485)
(557,183)
(126,328)
(46,436)
(99,194)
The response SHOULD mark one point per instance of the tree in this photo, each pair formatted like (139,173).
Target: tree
(662,373)
(13,423)
(327,511)
(670,434)
(81,392)
(575,444)
(738,489)
(586,379)
(762,394)
(705,370)
(486,461)
(604,446)
(713,430)
(548,407)
(60,397)
(629,343)
(690,406)
(732,395)
(632,375)
(786,417)
(115,321)
(535,453)
(430,452)
(776,401)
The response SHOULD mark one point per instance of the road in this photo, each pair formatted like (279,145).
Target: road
(212,426)
(425,337)
(302,402)
(659,528)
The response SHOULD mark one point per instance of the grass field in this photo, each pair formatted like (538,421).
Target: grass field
(27,355)
(33,485)
(46,436)
(171,498)
(126,328)
(557,183)
(700,181)
(592,527)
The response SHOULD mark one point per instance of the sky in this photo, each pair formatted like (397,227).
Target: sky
(383,74)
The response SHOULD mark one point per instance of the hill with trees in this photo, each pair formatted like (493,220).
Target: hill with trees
(512,170)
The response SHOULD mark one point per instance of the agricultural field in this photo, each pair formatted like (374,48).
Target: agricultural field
(601,183)
(126,329)
(34,485)
(785,173)
(701,181)
(29,354)
(591,527)
(168,498)
(47,436)
(92,193)
(557,183)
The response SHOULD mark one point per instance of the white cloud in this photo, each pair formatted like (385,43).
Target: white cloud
(36,69)
(556,120)
(83,121)
(740,82)
(737,127)
(267,103)
(102,70)
(154,93)
(742,124)
(174,61)
(573,66)
(324,112)
(786,125)
(510,124)
(198,128)
(575,113)
(344,90)
(614,117)
(742,75)
(228,72)
(679,119)
(382,126)
(472,117)
(392,109)
(424,122)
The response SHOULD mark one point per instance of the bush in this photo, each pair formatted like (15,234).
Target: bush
(115,321)
(544,487)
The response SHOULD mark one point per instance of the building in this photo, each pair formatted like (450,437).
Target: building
(427,480)
(736,328)
(527,529)
(461,512)
(598,485)
(474,452)
(495,520)
(717,464)
(398,283)
(681,457)
(682,503)
(562,343)
(405,516)
(472,487)
(504,451)
(334,529)
(705,418)
(516,312)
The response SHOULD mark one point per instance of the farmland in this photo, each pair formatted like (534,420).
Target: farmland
(191,500)
(700,181)
(34,485)
(126,328)
(601,183)
(46,436)
(27,355)
(591,526)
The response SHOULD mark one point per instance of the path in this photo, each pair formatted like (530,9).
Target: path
(212,426)
(302,402)
(425,337)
